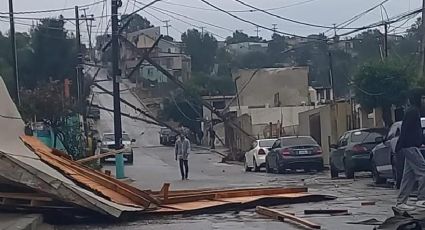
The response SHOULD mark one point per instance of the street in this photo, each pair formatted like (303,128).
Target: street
(155,165)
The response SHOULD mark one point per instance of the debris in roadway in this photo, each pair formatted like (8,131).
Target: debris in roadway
(283,216)
(326,211)
(368,203)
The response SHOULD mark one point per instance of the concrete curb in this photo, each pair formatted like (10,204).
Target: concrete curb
(21,222)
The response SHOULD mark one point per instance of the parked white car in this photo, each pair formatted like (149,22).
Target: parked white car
(256,157)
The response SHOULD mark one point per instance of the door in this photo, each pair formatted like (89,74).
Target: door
(382,156)
(337,156)
(251,154)
(272,155)
(315,128)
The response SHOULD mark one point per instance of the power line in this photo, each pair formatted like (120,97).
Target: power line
(357,17)
(240,11)
(253,23)
(142,8)
(185,22)
(286,19)
(53,10)
(187,17)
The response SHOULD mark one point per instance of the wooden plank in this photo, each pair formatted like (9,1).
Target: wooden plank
(25,196)
(230,193)
(136,195)
(95,157)
(164,191)
(191,198)
(325,211)
(282,216)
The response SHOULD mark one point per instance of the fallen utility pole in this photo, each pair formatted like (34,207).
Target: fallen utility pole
(119,158)
(126,115)
(180,84)
(14,55)
(138,109)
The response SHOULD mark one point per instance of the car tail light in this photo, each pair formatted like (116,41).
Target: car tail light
(261,152)
(317,150)
(359,148)
(286,151)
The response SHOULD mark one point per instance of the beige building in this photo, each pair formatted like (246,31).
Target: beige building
(272,87)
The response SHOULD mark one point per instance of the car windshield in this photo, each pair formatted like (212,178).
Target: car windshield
(298,141)
(366,136)
(111,137)
(266,143)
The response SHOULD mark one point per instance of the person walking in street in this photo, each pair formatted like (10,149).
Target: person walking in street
(212,137)
(411,138)
(182,148)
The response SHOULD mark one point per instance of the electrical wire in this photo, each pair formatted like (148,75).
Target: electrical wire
(142,8)
(356,17)
(52,10)
(187,17)
(253,23)
(185,22)
(240,11)
(286,19)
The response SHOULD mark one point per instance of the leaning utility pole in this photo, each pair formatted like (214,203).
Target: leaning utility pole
(119,159)
(386,39)
(257,30)
(15,88)
(422,70)
(80,77)
(89,30)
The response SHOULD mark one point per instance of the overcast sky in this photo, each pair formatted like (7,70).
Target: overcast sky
(322,12)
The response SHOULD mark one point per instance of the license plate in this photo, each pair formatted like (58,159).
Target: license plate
(302,152)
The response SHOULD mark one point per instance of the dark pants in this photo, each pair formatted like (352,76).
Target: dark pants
(212,142)
(184,168)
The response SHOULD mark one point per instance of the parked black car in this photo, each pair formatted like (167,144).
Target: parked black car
(353,151)
(167,136)
(386,163)
(296,152)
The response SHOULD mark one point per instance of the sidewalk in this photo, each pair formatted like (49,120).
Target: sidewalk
(21,221)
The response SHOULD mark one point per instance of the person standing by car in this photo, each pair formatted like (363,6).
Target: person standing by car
(411,138)
(182,153)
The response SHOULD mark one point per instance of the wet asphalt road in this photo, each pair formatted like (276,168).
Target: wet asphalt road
(155,164)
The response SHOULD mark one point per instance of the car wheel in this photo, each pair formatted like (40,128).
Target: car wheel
(375,175)
(247,168)
(334,171)
(256,168)
(130,159)
(280,169)
(268,170)
(349,171)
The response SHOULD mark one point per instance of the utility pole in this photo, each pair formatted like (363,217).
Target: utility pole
(80,77)
(422,70)
(257,29)
(167,25)
(331,75)
(202,30)
(119,159)
(386,39)
(274,27)
(89,30)
(12,37)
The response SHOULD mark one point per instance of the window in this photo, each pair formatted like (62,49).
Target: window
(366,136)
(266,143)
(394,131)
(219,104)
(276,144)
(343,140)
(291,141)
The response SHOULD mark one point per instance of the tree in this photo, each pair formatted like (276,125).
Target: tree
(55,55)
(137,23)
(202,48)
(381,85)
(276,46)
(239,36)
